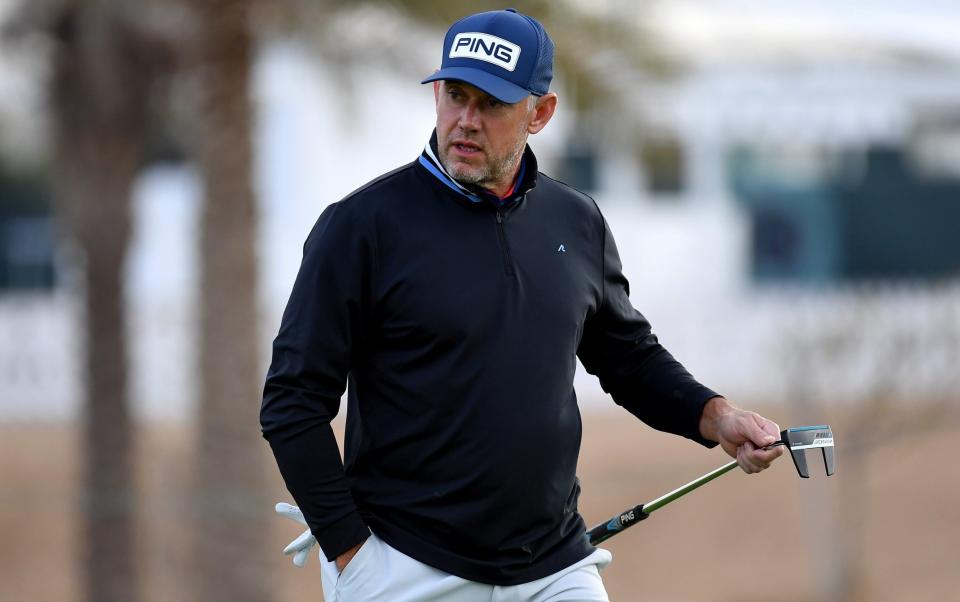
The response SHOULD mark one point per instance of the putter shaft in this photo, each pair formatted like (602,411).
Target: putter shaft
(666,498)
(628,518)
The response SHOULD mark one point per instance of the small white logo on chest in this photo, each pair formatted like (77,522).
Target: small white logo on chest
(561,249)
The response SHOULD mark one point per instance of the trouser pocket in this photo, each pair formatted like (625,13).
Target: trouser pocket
(360,575)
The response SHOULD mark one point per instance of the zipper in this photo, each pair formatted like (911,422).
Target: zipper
(507,259)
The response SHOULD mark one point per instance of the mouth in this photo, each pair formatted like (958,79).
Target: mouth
(466,148)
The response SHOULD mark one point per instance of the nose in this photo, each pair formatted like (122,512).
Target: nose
(469,117)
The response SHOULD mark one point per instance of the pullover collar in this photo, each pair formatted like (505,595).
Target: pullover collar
(526,179)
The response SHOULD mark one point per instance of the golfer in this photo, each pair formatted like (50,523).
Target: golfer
(454,295)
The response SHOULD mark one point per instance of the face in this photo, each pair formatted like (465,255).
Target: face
(481,139)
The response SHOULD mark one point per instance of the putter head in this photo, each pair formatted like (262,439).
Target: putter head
(801,438)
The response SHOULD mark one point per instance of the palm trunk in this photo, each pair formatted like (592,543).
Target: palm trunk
(100,120)
(108,491)
(231,555)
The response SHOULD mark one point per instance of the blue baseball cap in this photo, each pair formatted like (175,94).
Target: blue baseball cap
(506,54)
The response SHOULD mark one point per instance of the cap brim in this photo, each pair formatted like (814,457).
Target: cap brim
(499,88)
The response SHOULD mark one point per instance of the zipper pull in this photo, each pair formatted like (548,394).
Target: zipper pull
(499,218)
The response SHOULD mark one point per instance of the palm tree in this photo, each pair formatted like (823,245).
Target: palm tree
(232,467)
(102,77)
(596,51)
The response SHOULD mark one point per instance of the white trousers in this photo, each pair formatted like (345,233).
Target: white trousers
(379,573)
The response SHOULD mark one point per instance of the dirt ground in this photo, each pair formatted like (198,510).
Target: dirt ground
(890,516)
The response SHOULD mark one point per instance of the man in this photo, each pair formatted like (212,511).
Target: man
(455,294)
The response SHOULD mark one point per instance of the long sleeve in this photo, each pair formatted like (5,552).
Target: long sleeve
(619,347)
(321,334)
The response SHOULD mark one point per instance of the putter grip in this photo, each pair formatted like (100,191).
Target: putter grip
(605,531)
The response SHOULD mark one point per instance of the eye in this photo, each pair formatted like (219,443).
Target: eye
(493,103)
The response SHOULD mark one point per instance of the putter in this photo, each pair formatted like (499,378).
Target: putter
(797,440)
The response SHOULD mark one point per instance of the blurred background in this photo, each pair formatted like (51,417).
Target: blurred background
(783,180)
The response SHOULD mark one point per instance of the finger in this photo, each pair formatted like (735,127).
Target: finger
(758,459)
(304,542)
(300,558)
(761,432)
(766,456)
(752,459)
(770,427)
(291,512)
(745,460)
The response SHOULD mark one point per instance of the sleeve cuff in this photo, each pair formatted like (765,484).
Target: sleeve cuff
(342,535)
(696,400)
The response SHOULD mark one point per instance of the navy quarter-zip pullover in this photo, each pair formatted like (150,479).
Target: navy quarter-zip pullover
(457,322)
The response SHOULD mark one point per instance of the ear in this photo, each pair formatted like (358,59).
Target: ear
(543,110)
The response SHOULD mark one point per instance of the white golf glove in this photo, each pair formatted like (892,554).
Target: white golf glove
(301,546)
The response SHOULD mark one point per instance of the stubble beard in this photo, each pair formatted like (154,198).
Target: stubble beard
(494,170)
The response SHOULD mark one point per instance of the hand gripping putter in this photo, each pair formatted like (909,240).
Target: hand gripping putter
(797,440)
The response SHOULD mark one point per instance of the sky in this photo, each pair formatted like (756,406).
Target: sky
(723,29)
